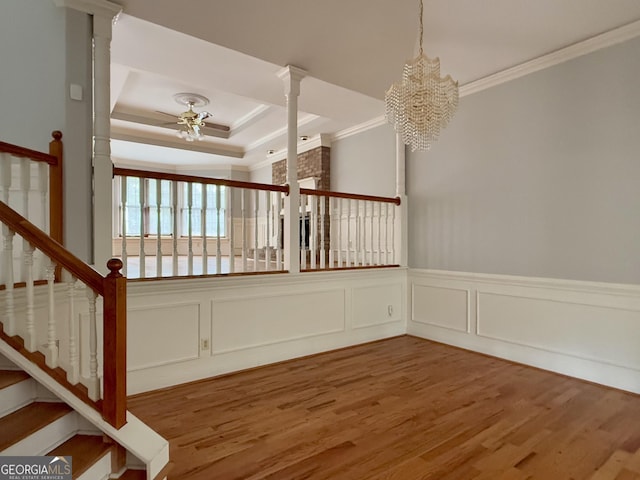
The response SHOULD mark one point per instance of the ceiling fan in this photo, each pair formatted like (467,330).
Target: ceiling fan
(191,123)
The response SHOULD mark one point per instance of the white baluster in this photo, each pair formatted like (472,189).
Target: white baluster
(25,185)
(245,241)
(386,234)
(30,342)
(393,233)
(359,234)
(372,211)
(93,381)
(379,233)
(175,215)
(159,228)
(8,275)
(339,200)
(143,204)
(190,228)
(231,233)
(363,258)
(123,205)
(73,370)
(43,188)
(267,246)
(277,209)
(323,202)
(303,231)
(51,348)
(218,249)
(333,231)
(349,241)
(313,231)
(255,232)
(5,175)
(203,223)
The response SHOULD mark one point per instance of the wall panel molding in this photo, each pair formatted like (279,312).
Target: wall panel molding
(245,322)
(588,330)
(453,309)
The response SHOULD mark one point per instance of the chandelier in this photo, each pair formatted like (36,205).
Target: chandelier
(422,103)
(191,122)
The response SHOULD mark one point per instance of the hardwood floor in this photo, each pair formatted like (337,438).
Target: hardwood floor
(401,409)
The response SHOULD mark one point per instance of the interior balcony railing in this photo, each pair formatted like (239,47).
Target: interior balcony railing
(170,225)
(344,230)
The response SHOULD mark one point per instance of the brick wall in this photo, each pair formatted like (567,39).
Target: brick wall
(314,163)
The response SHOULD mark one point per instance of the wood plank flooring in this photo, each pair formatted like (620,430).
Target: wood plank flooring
(399,409)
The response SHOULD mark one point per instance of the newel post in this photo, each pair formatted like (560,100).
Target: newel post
(55,189)
(114,403)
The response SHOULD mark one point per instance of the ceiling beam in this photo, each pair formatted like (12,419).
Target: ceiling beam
(203,147)
(210,129)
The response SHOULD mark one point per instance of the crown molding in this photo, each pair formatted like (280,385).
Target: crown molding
(203,147)
(280,132)
(604,40)
(362,127)
(102,8)
(593,44)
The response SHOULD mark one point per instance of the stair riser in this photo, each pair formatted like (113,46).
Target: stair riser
(17,396)
(47,438)
(101,470)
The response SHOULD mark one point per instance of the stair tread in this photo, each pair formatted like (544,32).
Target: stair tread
(85,450)
(133,475)
(22,423)
(11,377)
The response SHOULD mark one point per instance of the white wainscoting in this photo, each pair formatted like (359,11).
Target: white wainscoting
(187,329)
(582,329)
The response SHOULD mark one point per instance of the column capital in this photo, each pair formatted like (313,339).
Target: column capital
(291,76)
(100,8)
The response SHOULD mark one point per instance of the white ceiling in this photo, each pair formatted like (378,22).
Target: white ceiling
(231,51)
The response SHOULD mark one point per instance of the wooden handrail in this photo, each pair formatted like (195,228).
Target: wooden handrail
(51,248)
(352,196)
(113,289)
(23,152)
(128,172)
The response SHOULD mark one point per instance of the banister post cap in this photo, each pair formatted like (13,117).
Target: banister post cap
(114,265)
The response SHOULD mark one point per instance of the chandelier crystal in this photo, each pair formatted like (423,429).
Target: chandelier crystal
(422,103)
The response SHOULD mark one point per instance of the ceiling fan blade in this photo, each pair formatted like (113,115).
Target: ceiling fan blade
(167,114)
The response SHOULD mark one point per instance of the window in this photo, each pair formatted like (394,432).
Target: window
(216,203)
(133,215)
(149,218)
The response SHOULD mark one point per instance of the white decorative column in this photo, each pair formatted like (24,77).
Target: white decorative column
(402,231)
(102,166)
(103,13)
(291,76)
